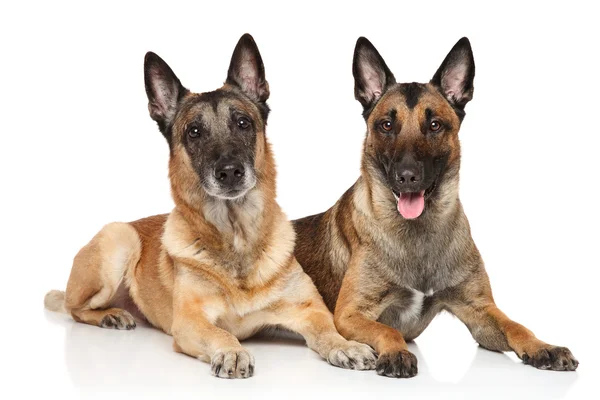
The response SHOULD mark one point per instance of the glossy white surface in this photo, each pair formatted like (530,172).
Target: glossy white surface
(78,150)
(72,360)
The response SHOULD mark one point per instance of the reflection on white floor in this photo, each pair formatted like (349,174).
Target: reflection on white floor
(100,361)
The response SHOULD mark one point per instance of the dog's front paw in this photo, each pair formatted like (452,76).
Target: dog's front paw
(553,357)
(234,363)
(353,355)
(401,364)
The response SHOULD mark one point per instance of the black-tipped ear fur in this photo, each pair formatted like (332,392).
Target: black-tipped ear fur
(246,70)
(372,77)
(455,76)
(164,91)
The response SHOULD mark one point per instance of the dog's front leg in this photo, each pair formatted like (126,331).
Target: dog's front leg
(304,311)
(196,306)
(473,304)
(361,301)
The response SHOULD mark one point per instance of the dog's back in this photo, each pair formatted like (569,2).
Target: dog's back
(323,246)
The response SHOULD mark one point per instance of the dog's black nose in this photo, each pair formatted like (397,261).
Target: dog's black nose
(409,175)
(229,172)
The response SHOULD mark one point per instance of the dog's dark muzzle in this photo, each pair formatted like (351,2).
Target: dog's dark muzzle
(232,176)
(229,172)
(410,175)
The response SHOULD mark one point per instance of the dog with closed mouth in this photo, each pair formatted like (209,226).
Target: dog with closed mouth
(220,267)
(396,248)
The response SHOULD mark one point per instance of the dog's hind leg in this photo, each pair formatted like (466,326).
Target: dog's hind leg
(99,269)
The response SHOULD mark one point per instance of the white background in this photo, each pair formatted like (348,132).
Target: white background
(79,150)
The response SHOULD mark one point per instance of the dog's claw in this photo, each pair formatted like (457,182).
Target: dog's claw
(121,320)
(230,364)
(402,364)
(554,358)
(353,356)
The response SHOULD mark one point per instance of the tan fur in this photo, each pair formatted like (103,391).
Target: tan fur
(387,277)
(55,301)
(211,272)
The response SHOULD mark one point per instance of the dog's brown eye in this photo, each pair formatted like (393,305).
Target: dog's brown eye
(194,132)
(434,126)
(386,126)
(243,122)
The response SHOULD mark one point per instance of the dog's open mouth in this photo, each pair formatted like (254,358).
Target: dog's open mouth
(411,204)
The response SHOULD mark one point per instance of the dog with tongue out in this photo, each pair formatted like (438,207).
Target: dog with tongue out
(407,179)
(411,204)
(396,248)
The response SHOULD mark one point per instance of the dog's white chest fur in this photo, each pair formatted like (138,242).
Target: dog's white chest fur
(406,314)
(240,219)
(413,310)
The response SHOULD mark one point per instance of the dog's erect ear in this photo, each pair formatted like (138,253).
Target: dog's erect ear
(455,76)
(372,76)
(246,70)
(163,88)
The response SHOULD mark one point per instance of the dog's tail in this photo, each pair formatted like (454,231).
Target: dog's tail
(55,301)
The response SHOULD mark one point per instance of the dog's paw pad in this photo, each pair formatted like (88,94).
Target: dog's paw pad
(229,364)
(553,357)
(401,364)
(120,320)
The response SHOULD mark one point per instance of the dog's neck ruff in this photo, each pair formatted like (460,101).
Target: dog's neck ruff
(240,218)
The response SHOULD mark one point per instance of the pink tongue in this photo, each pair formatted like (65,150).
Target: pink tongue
(411,205)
